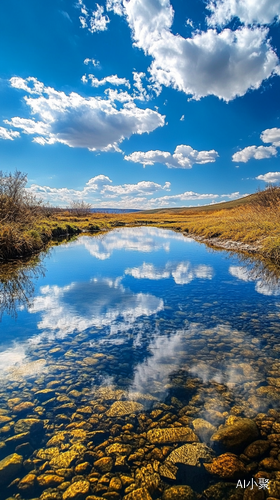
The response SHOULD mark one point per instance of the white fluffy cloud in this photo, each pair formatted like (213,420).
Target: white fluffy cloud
(269,177)
(271,135)
(225,64)
(112,79)
(93,123)
(248,11)
(88,61)
(261,286)
(95,21)
(183,157)
(98,189)
(8,134)
(182,273)
(257,152)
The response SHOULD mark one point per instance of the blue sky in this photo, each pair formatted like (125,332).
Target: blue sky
(140,103)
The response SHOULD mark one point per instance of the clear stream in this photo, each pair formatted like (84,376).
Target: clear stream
(140,316)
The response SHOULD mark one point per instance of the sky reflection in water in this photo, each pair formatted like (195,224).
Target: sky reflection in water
(153,299)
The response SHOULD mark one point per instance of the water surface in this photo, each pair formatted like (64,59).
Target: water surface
(146,316)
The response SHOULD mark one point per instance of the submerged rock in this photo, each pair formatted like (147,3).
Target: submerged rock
(139,494)
(76,491)
(32,425)
(236,435)
(191,454)
(257,448)
(227,466)
(179,493)
(172,435)
(9,467)
(66,459)
(120,408)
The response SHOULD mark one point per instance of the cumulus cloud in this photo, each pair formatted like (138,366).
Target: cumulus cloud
(8,134)
(225,64)
(113,80)
(183,157)
(248,11)
(94,21)
(257,152)
(261,286)
(182,273)
(84,122)
(269,177)
(271,135)
(30,84)
(99,188)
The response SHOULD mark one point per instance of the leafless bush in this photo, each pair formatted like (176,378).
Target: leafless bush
(268,198)
(17,205)
(80,207)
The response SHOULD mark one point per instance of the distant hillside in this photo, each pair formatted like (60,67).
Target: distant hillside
(205,208)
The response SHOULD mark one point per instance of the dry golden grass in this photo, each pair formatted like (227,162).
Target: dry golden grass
(255,222)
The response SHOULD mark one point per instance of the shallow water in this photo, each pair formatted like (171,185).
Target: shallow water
(136,330)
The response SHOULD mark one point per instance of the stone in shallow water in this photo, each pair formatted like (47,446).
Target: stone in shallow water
(203,428)
(76,491)
(9,467)
(47,454)
(45,394)
(27,482)
(191,454)
(179,493)
(32,425)
(104,464)
(139,494)
(172,435)
(237,435)
(168,470)
(23,407)
(257,448)
(49,480)
(120,408)
(118,449)
(220,491)
(66,459)
(227,466)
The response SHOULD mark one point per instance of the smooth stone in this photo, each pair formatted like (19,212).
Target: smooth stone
(120,408)
(76,491)
(203,429)
(32,425)
(27,482)
(9,467)
(104,464)
(179,493)
(237,435)
(23,407)
(257,448)
(220,491)
(66,459)
(139,494)
(227,466)
(118,449)
(49,480)
(172,435)
(270,464)
(45,395)
(191,454)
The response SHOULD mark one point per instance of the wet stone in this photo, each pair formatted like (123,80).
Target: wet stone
(172,435)
(191,454)
(138,494)
(203,429)
(77,491)
(120,408)
(27,482)
(104,464)
(179,493)
(32,425)
(227,466)
(9,467)
(257,448)
(66,459)
(237,435)
(49,480)
(118,449)
(23,407)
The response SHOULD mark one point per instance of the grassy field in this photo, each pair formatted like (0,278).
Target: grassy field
(253,220)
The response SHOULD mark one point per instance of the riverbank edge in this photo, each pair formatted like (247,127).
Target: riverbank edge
(51,239)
